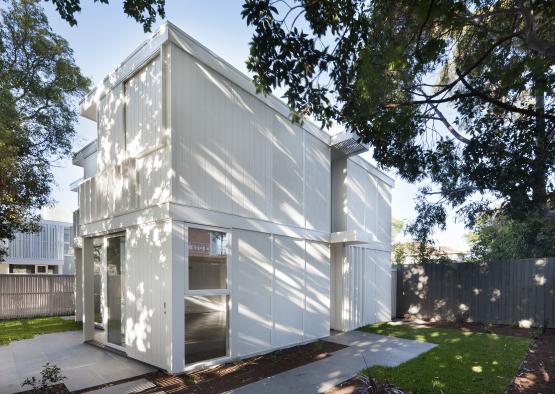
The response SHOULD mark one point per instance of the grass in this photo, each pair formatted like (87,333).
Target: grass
(17,329)
(463,362)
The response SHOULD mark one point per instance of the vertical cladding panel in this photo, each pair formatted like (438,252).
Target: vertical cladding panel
(143,112)
(289,291)
(356,196)
(317,310)
(111,137)
(287,175)
(339,195)
(383,233)
(383,285)
(153,181)
(235,154)
(370,289)
(252,293)
(318,184)
(148,290)
(371,204)
(362,288)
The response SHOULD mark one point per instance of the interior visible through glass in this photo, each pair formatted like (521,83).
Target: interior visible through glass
(97,292)
(207,259)
(115,253)
(206,328)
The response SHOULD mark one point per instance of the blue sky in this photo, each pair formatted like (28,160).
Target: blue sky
(104,36)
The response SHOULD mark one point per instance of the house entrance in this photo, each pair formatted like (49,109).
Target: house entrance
(109,301)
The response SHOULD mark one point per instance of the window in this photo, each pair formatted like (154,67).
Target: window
(67,239)
(206,296)
(207,259)
(41,269)
(97,259)
(22,269)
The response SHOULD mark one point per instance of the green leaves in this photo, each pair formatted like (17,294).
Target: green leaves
(443,90)
(143,11)
(39,88)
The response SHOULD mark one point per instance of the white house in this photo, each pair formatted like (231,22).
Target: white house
(44,252)
(213,228)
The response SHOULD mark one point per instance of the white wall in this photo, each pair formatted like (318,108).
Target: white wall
(234,154)
(361,287)
(361,201)
(280,292)
(133,158)
(148,293)
(4,268)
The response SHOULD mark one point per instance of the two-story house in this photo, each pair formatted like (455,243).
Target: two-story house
(211,227)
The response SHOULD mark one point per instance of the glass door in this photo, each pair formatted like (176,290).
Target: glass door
(115,263)
(98,244)
(206,296)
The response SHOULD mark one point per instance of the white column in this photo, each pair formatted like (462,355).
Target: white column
(78,253)
(176,306)
(88,289)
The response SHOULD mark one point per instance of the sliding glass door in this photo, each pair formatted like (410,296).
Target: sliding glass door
(115,254)
(109,285)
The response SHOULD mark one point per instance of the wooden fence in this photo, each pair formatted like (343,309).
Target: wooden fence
(505,292)
(36,295)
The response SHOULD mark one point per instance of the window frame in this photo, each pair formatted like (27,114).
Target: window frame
(210,292)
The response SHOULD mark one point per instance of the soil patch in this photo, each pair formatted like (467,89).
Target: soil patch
(59,388)
(537,372)
(232,375)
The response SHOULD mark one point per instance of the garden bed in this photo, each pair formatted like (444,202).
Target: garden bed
(242,372)
(537,372)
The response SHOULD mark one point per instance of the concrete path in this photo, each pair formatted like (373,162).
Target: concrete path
(365,350)
(84,365)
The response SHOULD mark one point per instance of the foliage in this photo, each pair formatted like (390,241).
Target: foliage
(143,11)
(458,93)
(51,375)
(18,329)
(397,226)
(462,361)
(372,386)
(39,83)
(498,237)
(417,253)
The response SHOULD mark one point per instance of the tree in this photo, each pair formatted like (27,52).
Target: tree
(457,93)
(39,86)
(497,237)
(143,11)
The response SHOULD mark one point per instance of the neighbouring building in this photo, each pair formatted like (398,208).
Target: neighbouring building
(47,251)
(210,227)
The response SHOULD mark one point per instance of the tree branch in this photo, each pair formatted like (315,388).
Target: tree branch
(501,104)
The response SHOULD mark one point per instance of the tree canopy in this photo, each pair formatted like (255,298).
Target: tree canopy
(39,86)
(455,93)
(497,237)
(143,11)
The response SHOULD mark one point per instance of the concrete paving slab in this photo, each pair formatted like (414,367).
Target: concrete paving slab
(83,365)
(365,350)
(135,386)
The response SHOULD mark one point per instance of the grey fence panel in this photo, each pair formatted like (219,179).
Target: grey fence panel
(36,295)
(504,292)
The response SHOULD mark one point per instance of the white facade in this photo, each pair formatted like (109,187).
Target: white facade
(42,252)
(187,153)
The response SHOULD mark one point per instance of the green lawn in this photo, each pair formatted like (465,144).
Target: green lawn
(463,362)
(14,330)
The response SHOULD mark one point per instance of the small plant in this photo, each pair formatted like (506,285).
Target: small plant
(545,325)
(372,386)
(51,375)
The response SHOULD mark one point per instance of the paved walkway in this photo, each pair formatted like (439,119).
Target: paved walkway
(365,350)
(83,365)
